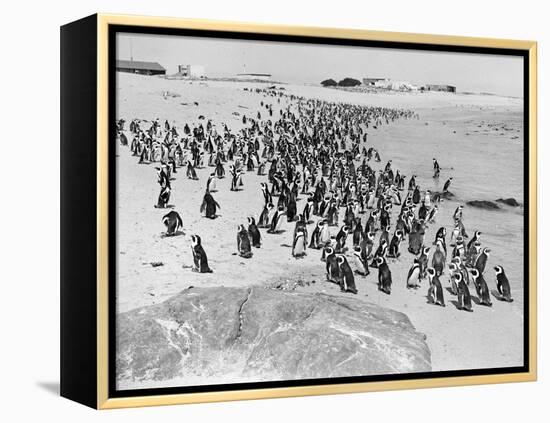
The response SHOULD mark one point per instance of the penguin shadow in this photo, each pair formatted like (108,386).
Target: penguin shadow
(211,218)
(499,297)
(177,233)
(429,300)
(456,304)
(168,206)
(450,291)
(475,300)
(286,245)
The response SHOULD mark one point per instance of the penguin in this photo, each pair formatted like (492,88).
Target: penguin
(254,233)
(384,276)
(422,212)
(435,291)
(243,242)
(316,236)
(299,244)
(173,223)
(438,259)
(263,220)
(209,205)
(436,164)
(308,210)
(412,183)
(393,249)
(261,168)
(211,183)
(200,259)
(332,214)
(301,225)
(164,197)
(220,171)
(385,235)
(464,297)
(324,236)
(380,253)
(416,240)
(458,250)
(423,261)
(332,268)
(475,238)
(481,260)
(416,195)
(452,281)
(361,261)
(368,245)
(440,235)
(457,215)
(341,237)
(413,277)
(472,254)
(369,225)
(481,288)
(191,173)
(447,184)
(357,233)
(291,209)
(503,286)
(276,221)
(433,212)
(347,281)
(437,169)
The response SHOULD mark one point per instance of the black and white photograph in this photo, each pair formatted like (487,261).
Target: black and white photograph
(306,211)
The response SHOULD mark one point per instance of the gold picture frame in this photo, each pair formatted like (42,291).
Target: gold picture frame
(100,360)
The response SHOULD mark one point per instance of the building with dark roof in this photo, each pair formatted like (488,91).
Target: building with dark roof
(142,68)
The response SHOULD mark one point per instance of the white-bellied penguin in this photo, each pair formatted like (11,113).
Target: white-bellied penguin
(384,275)
(463,293)
(503,285)
(243,242)
(200,259)
(413,277)
(347,281)
(435,291)
(209,206)
(482,289)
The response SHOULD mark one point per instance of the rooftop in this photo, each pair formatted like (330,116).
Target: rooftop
(133,64)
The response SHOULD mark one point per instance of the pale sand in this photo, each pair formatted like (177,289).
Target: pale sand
(487,338)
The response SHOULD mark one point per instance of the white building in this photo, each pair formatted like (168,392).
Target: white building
(192,71)
(395,85)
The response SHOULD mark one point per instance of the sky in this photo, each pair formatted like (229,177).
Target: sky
(312,63)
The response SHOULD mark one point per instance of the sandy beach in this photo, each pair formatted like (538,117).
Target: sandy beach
(459,130)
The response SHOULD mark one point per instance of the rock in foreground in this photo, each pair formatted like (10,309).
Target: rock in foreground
(224,335)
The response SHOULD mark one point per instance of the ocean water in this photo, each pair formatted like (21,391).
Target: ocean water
(485,163)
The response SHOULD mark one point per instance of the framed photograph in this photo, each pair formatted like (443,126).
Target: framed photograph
(256,211)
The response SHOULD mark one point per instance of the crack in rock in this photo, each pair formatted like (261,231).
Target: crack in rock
(241,315)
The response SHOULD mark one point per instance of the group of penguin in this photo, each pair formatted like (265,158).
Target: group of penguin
(327,141)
